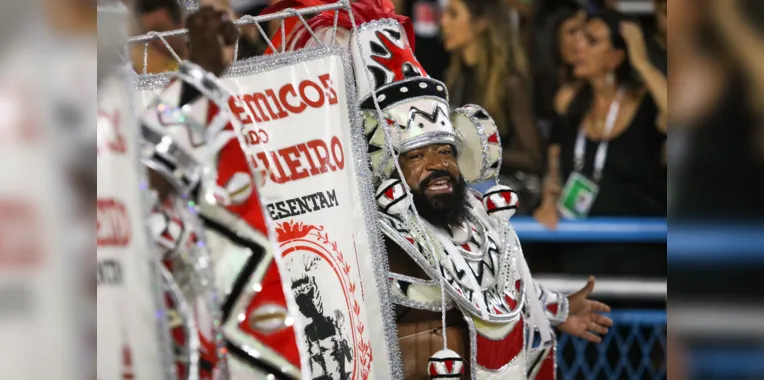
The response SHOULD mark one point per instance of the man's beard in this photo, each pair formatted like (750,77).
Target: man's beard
(442,210)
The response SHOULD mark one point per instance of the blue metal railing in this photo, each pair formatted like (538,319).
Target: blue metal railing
(635,348)
(726,362)
(720,244)
(596,229)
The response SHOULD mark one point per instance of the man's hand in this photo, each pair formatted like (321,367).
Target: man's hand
(583,318)
(211,38)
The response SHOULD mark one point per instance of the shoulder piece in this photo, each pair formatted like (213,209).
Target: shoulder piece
(463,280)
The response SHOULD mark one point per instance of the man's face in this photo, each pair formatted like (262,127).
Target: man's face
(436,183)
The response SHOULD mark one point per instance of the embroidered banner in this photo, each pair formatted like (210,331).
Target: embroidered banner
(299,129)
(297,126)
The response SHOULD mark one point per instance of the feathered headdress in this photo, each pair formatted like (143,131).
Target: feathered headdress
(363,11)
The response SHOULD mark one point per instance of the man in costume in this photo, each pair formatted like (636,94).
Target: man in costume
(224,292)
(457,272)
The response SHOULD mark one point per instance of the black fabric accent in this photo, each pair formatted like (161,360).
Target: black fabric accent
(393,203)
(431,117)
(481,115)
(394,34)
(535,362)
(240,354)
(188,94)
(409,71)
(404,287)
(488,194)
(393,92)
(206,366)
(503,208)
(374,148)
(257,254)
(378,49)
(170,166)
(379,75)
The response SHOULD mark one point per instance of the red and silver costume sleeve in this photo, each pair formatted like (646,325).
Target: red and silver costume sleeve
(555,304)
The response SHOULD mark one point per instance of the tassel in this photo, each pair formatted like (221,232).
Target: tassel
(500,202)
(391,197)
(445,364)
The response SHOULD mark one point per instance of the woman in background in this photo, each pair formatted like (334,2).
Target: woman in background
(611,131)
(716,149)
(558,28)
(629,178)
(489,68)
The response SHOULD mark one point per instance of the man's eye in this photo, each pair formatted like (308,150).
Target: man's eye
(415,156)
(446,152)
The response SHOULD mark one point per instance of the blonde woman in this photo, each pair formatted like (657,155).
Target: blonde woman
(488,67)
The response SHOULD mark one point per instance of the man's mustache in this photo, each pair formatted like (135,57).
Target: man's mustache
(434,176)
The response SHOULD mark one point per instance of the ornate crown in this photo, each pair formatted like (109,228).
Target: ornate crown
(414,106)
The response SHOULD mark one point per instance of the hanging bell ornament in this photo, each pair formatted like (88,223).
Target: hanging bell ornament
(445,364)
(391,197)
(500,202)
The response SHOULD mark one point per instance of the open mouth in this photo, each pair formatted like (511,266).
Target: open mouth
(440,186)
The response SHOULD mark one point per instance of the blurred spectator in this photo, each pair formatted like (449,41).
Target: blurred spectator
(485,69)
(595,6)
(713,151)
(157,16)
(251,42)
(424,16)
(556,30)
(657,44)
(613,184)
(521,21)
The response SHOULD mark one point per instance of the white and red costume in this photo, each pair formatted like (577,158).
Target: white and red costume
(509,315)
(215,240)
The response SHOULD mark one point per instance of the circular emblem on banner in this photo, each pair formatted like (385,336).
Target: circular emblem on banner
(332,324)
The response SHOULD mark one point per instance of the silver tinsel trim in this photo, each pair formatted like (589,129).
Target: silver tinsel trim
(202,263)
(465,111)
(402,300)
(473,349)
(434,306)
(413,280)
(188,321)
(369,205)
(564,309)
